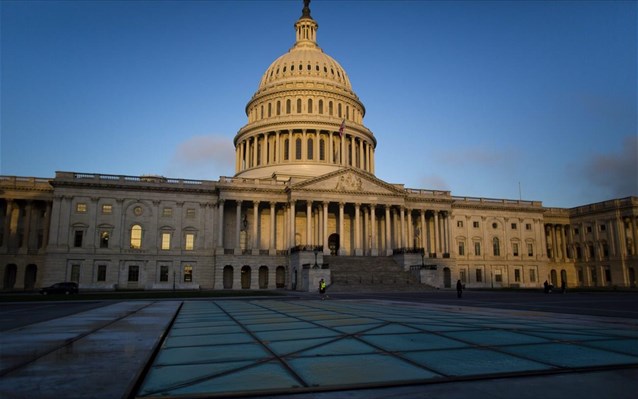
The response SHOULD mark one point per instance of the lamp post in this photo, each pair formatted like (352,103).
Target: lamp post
(316,251)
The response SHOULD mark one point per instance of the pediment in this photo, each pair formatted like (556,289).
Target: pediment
(348,181)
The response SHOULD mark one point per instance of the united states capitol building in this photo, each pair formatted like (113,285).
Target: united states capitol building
(304,204)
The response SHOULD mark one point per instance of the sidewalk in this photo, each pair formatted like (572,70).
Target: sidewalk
(319,349)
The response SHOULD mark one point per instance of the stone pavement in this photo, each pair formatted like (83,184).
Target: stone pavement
(296,348)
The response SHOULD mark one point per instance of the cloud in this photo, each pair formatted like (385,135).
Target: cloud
(616,174)
(204,157)
(476,157)
(433,182)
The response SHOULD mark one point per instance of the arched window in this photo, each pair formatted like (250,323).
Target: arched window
(339,110)
(278,108)
(310,105)
(286,149)
(347,112)
(298,148)
(136,236)
(322,150)
(299,105)
(262,112)
(288,106)
(330,108)
(497,247)
(310,148)
(269,110)
(321,107)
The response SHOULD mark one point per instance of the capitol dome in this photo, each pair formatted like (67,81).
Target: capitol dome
(304,120)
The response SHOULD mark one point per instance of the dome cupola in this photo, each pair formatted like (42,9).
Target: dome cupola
(304,120)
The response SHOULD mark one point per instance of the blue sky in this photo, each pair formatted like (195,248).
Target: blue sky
(479,98)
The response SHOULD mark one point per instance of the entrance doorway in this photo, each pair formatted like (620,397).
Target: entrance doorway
(228,277)
(333,243)
(30,276)
(10,273)
(447,277)
(245,277)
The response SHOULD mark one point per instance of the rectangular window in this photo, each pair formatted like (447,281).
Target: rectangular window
(167,212)
(166,241)
(530,249)
(576,231)
(498,277)
(77,240)
(133,274)
(477,248)
(517,275)
(190,213)
(104,239)
(101,273)
(532,275)
(607,275)
(188,273)
(190,241)
(594,277)
(107,209)
(459,223)
(603,227)
(461,248)
(475,225)
(479,275)
(163,274)
(528,227)
(514,226)
(75,273)
(589,229)
(463,276)
(515,248)
(80,207)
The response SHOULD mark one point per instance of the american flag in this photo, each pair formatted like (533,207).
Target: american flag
(343,125)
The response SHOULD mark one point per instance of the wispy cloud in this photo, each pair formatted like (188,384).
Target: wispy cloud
(616,174)
(204,157)
(479,156)
(433,182)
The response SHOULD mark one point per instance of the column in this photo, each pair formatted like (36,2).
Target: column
(273,222)
(276,157)
(293,232)
(27,225)
(410,231)
(437,244)
(255,240)
(446,226)
(373,230)
(634,237)
(330,154)
(238,228)
(47,225)
(326,249)
(423,232)
(7,223)
(264,149)
(388,238)
(308,222)
(402,227)
(341,240)
(290,158)
(563,239)
(353,150)
(220,220)
(357,230)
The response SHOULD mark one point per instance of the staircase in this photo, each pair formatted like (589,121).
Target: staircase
(370,273)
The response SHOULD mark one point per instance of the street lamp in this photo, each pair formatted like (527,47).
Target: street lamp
(316,251)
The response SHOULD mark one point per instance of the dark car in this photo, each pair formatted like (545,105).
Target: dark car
(60,288)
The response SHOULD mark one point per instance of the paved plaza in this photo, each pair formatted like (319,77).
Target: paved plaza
(308,348)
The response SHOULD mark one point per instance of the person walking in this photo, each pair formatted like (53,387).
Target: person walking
(459,289)
(322,289)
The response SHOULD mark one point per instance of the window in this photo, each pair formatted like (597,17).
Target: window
(532,275)
(299,105)
(461,248)
(475,225)
(339,110)
(104,239)
(517,275)
(288,106)
(80,207)
(107,209)
(77,240)
(589,229)
(515,248)
(321,106)
(576,231)
(188,273)
(330,111)
(594,277)
(528,226)
(514,226)
(190,213)
(286,149)
(269,110)
(310,105)
(133,273)
(190,241)
(136,236)
(459,223)
(166,241)
(530,249)
(494,225)
(497,247)
(278,107)
(603,227)
(322,150)
(498,277)
(298,148)
(163,273)
(463,276)
(101,273)
(477,248)
(310,148)
(167,212)
(479,275)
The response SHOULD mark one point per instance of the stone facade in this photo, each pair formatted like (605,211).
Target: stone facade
(304,189)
